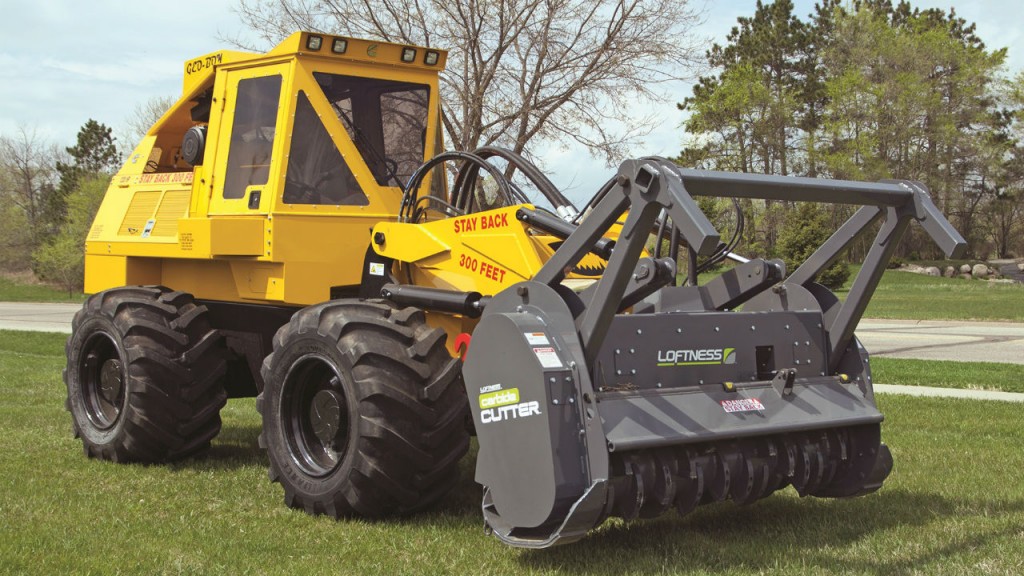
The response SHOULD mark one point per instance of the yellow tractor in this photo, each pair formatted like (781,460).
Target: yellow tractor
(288,230)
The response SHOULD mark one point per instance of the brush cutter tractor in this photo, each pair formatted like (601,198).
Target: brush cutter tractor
(287,230)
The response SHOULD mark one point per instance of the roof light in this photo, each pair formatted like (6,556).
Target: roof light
(314,42)
(339,45)
(431,57)
(408,55)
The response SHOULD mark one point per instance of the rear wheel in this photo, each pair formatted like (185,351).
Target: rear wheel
(143,375)
(363,410)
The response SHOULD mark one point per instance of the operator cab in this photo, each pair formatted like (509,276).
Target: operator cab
(317,121)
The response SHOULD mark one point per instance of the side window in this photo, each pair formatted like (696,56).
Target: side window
(385,119)
(403,114)
(317,174)
(252,134)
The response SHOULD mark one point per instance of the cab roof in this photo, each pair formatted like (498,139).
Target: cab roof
(306,44)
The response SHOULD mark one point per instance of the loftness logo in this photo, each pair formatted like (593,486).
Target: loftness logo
(698,357)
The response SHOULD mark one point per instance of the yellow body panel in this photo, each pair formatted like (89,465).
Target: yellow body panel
(210,237)
(165,222)
(227,230)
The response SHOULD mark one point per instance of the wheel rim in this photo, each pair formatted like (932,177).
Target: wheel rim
(315,416)
(102,376)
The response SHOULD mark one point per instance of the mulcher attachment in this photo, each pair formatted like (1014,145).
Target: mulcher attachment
(585,412)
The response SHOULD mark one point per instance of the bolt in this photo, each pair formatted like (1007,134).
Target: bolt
(572,400)
(787,326)
(632,351)
(752,328)
(617,351)
(641,272)
(639,331)
(621,180)
(522,291)
(716,328)
(552,380)
(378,238)
(555,401)
(797,362)
(632,371)
(618,372)
(658,384)
(587,397)
(680,330)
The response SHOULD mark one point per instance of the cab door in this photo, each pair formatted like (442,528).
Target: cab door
(250,141)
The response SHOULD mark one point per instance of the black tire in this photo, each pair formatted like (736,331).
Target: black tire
(144,375)
(363,410)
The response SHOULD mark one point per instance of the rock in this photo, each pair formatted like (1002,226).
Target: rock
(965,276)
(914,268)
(932,271)
(949,272)
(980,271)
(965,268)
(1020,266)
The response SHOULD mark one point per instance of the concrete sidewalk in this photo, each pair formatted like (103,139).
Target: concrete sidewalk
(933,392)
(37,317)
(944,340)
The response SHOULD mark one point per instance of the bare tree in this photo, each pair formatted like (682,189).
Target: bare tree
(521,71)
(142,118)
(29,181)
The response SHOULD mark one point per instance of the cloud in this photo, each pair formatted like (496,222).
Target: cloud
(133,71)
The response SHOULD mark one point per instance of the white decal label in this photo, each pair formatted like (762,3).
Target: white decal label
(491,388)
(742,405)
(548,358)
(376,269)
(536,338)
(510,412)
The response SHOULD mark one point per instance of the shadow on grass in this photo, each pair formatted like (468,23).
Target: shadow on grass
(235,447)
(819,534)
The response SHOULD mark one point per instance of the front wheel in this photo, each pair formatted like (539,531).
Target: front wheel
(144,375)
(362,411)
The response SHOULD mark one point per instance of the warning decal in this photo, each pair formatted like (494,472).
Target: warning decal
(536,338)
(742,405)
(547,357)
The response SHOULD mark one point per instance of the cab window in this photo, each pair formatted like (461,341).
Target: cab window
(252,134)
(386,120)
(316,173)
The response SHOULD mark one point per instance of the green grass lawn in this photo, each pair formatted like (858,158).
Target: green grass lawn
(12,290)
(948,374)
(954,505)
(908,296)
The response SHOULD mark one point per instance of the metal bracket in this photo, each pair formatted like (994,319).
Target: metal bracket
(783,381)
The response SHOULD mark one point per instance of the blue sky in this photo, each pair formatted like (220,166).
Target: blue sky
(65,61)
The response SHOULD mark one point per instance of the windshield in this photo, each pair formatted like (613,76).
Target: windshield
(386,120)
